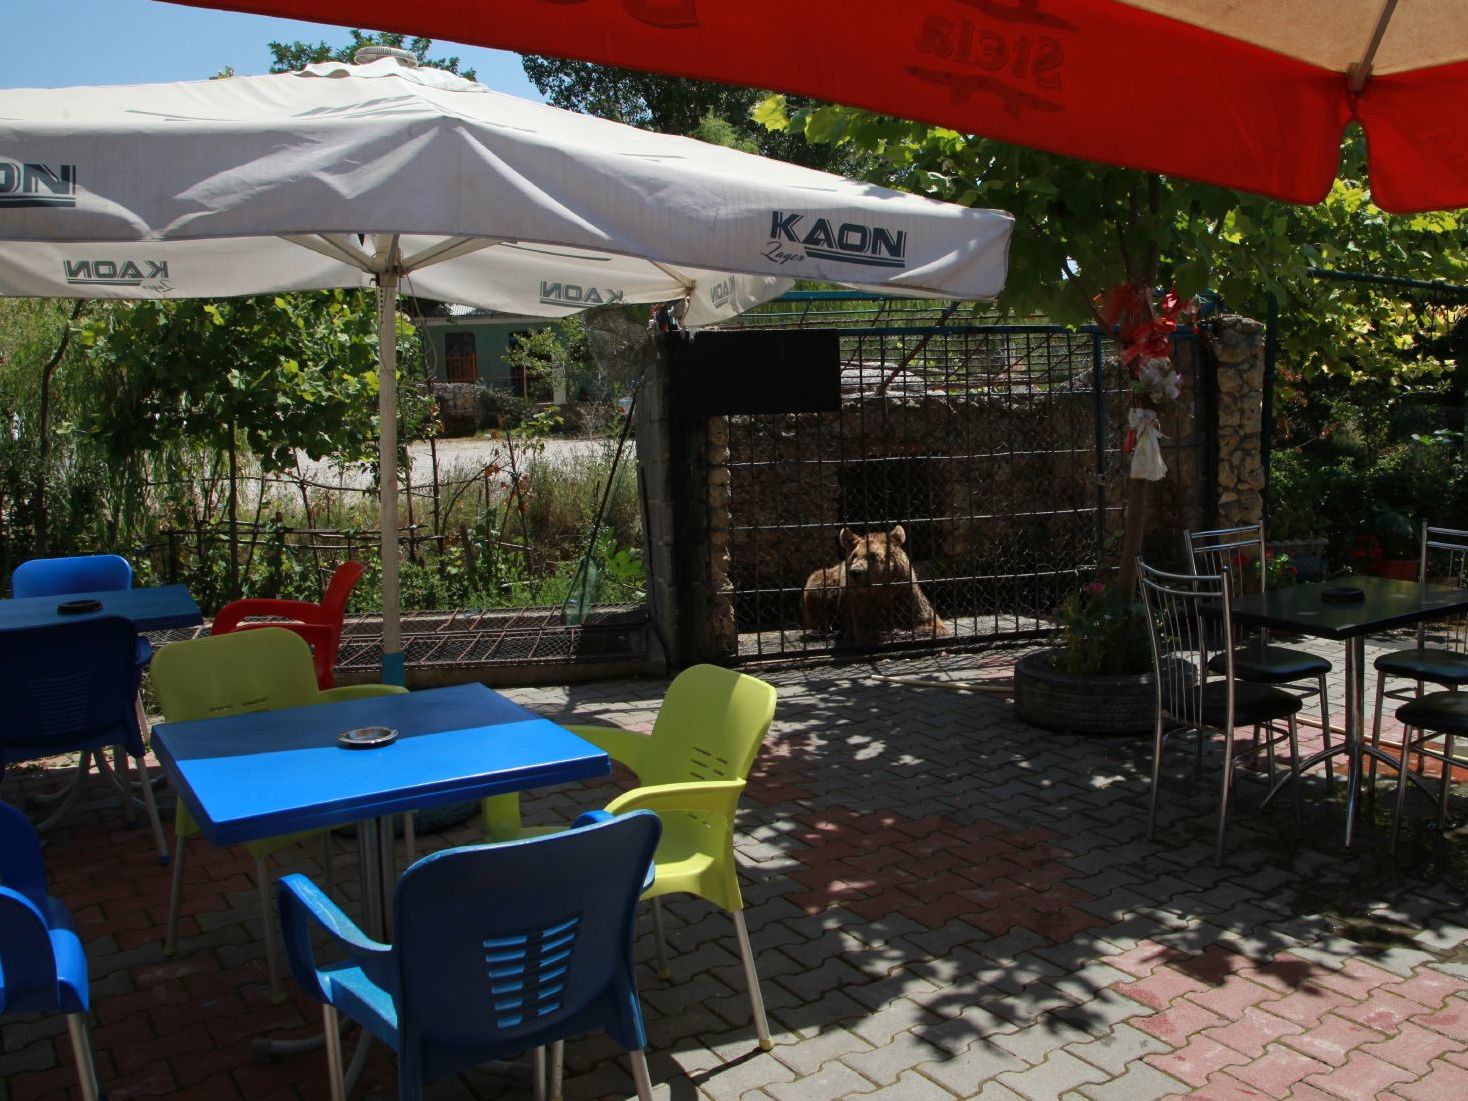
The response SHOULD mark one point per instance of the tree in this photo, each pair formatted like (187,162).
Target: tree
(48,495)
(272,373)
(718,113)
(290,56)
(1082,227)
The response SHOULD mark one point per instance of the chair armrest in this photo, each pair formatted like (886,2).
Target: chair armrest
(591,818)
(708,796)
(22,868)
(359,692)
(303,904)
(29,963)
(623,746)
(228,617)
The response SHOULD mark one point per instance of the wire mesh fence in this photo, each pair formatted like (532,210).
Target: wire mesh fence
(970,476)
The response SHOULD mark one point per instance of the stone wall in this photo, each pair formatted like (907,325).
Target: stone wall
(1237,346)
(458,407)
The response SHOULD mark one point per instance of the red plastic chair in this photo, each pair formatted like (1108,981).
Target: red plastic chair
(319,624)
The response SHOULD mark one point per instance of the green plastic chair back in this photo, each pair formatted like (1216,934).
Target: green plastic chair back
(710,726)
(235,674)
(692,770)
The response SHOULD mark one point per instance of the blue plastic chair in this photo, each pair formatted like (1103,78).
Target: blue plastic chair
(87,573)
(496,949)
(73,687)
(43,968)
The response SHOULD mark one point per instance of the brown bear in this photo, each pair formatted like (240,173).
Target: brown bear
(874,589)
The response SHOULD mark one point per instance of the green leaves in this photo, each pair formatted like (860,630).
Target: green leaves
(771,113)
(1081,227)
(279,373)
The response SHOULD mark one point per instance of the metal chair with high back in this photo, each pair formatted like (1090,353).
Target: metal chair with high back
(1424,719)
(497,949)
(232,674)
(72,687)
(691,770)
(43,966)
(1189,625)
(1440,654)
(1231,551)
(319,624)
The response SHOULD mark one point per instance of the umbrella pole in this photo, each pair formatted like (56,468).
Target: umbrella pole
(393,671)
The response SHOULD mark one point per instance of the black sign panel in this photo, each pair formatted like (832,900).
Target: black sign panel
(754,371)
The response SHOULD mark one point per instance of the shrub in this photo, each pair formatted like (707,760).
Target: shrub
(1104,632)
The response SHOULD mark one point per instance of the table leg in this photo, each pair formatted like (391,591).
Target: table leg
(1354,745)
(379,875)
(1359,748)
(1355,705)
(369,868)
(374,848)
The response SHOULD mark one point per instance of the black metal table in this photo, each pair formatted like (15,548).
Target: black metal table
(1302,609)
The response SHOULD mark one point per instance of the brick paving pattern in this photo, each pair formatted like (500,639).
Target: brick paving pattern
(944,902)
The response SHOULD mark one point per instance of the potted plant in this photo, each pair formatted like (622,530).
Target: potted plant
(1099,679)
(1279,571)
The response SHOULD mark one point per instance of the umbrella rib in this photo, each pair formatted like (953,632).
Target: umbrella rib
(448,249)
(672,274)
(1361,70)
(335,248)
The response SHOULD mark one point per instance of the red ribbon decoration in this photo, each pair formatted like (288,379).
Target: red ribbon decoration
(1144,332)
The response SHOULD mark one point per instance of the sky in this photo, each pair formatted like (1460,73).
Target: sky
(55,43)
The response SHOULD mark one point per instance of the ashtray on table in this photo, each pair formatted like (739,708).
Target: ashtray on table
(367,737)
(1344,594)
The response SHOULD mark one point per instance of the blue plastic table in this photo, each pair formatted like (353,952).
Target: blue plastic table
(153,608)
(247,777)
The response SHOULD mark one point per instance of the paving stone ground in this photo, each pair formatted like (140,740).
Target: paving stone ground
(945,903)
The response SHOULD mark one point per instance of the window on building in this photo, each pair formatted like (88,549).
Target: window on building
(460,357)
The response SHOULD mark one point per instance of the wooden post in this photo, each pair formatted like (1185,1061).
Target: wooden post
(1138,490)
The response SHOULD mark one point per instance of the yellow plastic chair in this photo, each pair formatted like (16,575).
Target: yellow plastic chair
(692,769)
(235,674)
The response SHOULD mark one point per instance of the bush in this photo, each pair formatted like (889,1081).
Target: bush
(1388,494)
(1104,632)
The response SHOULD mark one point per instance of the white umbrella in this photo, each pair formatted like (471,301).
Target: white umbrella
(353,175)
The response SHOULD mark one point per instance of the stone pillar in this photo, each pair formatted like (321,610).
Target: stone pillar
(1237,346)
(723,636)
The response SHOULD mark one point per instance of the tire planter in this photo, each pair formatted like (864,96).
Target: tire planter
(1074,704)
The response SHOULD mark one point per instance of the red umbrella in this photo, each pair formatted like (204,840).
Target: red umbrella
(1251,94)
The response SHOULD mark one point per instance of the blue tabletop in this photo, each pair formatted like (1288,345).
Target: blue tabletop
(247,777)
(150,609)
